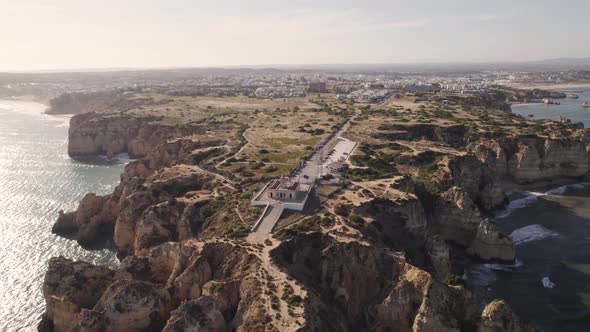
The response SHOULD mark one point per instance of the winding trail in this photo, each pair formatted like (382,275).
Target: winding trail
(277,283)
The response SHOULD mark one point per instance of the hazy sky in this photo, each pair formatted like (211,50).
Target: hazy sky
(70,34)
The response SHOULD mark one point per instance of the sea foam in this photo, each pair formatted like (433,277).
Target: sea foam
(531,197)
(531,233)
(547,283)
(120,158)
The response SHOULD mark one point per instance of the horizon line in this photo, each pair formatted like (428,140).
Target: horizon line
(278,66)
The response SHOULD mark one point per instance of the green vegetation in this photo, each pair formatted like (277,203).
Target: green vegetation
(239,231)
(217,288)
(294,300)
(428,170)
(356,220)
(453,280)
(280,142)
(342,210)
(271,169)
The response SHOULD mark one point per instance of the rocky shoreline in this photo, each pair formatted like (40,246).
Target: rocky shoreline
(186,265)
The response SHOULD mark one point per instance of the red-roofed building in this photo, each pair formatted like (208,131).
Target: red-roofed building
(285,189)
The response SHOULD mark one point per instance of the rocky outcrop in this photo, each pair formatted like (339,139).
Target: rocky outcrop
(128,305)
(92,134)
(197,315)
(458,220)
(456,216)
(453,135)
(366,288)
(91,222)
(141,190)
(526,160)
(473,177)
(490,243)
(439,256)
(176,286)
(138,222)
(142,212)
(70,287)
(400,224)
(499,317)
(96,101)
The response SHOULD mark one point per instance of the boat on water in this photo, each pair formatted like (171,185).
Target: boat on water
(585,104)
(573,96)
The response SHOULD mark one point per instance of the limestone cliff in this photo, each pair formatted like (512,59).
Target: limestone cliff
(355,287)
(527,160)
(381,273)
(140,212)
(499,317)
(458,219)
(92,134)
(175,287)
(70,287)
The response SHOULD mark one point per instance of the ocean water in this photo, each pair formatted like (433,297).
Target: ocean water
(569,108)
(37,179)
(549,284)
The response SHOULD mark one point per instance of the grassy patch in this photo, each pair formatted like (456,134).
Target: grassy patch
(280,142)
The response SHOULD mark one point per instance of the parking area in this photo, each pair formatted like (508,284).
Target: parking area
(339,154)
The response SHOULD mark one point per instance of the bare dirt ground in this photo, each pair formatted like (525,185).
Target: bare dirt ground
(276,285)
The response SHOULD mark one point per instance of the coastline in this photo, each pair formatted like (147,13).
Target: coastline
(38,179)
(549,86)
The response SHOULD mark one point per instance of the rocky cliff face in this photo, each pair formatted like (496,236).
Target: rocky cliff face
(161,197)
(97,101)
(357,287)
(386,276)
(458,220)
(528,160)
(175,287)
(498,316)
(70,287)
(92,134)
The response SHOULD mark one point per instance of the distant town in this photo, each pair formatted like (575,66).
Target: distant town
(356,86)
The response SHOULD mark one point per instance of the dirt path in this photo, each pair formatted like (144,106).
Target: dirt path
(276,284)
(227,182)
(243,146)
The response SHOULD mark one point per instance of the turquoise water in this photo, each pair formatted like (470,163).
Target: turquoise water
(550,282)
(37,179)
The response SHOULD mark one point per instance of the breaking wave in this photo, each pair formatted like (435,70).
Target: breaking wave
(120,158)
(483,274)
(531,233)
(547,283)
(531,197)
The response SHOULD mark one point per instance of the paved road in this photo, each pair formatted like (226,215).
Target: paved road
(314,167)
(310,172)
(270,218)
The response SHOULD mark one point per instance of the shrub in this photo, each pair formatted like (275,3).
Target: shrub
(453,280)
(217,288)
(258,165)
(356,220)
(294,299)
(342,210)
(239,231)
(271,169)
